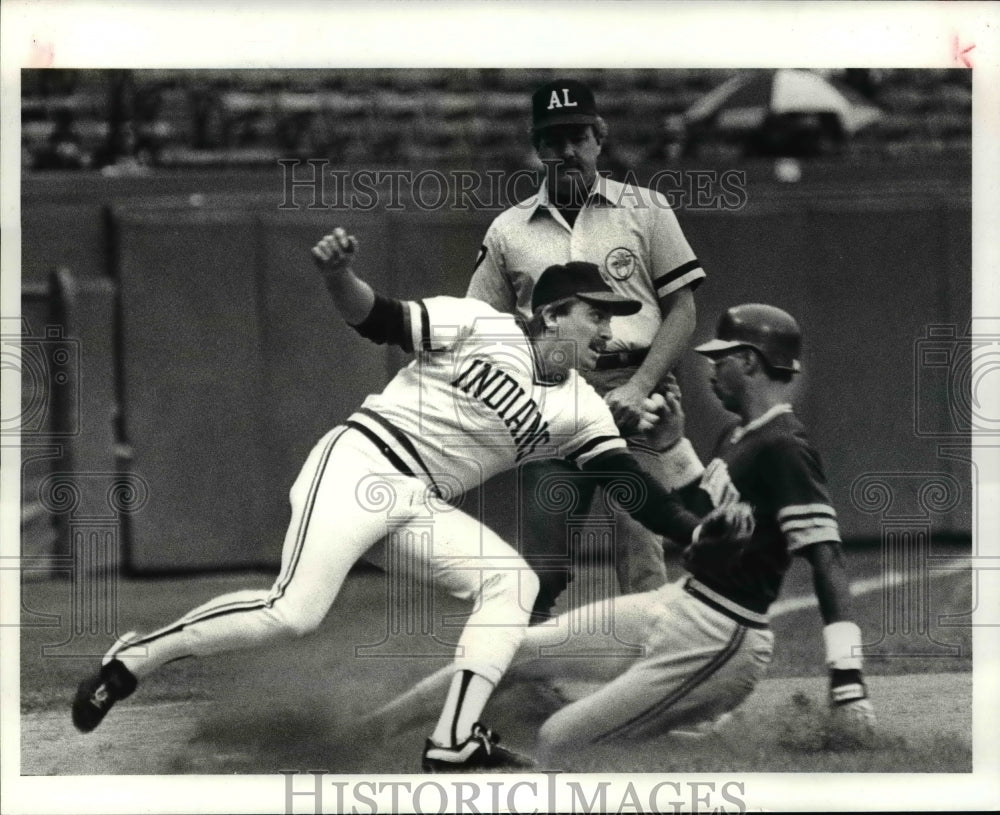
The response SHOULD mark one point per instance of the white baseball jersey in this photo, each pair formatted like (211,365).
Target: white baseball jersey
(473,403)
(630,232)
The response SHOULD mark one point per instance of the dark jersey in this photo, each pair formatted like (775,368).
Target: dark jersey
(771,465)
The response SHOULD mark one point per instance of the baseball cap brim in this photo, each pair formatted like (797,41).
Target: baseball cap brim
(616,304)
(713,347)
(565,119)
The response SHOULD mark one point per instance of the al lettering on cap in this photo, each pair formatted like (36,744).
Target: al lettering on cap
(563,102)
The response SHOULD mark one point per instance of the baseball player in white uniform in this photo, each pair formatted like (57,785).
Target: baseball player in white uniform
(632,235)
(484,392)
(706,637)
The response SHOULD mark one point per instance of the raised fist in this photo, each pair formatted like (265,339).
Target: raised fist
(335,251)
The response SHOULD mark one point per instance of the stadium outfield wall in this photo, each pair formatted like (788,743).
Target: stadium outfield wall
(214,359)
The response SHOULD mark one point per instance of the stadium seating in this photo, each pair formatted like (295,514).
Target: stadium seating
(413,116)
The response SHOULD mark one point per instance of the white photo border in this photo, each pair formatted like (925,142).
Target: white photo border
(505,34)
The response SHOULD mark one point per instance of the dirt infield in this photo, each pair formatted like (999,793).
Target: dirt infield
(192,737)
(289,706)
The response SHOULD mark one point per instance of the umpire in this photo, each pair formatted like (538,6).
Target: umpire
(633,236)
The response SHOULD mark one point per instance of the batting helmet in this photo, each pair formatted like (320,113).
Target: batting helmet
(771,332)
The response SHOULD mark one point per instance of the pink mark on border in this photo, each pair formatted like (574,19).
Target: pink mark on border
(958,53)
(42,54)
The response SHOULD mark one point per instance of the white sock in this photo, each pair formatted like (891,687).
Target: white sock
(466,699)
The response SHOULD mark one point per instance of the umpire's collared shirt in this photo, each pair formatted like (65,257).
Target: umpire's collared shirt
(630,232)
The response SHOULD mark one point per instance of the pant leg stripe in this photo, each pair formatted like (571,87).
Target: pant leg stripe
(284,580)
(228,608)
(692,682)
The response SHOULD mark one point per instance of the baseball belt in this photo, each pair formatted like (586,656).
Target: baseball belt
(734,611)
(621,359)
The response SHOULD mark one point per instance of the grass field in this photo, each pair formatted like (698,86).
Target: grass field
(287,707)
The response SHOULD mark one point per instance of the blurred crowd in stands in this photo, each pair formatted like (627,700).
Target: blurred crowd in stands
(129,121)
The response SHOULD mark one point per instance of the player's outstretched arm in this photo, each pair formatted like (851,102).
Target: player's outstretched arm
(663,511)
(333,255)
(376,318)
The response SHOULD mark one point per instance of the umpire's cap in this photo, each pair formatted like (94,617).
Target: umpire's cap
(771,332)
(562,102)
(580,279)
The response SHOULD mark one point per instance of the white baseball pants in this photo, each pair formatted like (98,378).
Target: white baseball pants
(694,663)
(346,498)
(698,664)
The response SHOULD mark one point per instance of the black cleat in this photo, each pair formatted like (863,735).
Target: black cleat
(96,695)
(480,752)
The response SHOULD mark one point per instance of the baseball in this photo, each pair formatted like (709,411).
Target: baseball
(651,407)
(654,403)
(788,170)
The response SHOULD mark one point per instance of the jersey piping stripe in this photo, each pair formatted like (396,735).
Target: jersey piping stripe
(611,445)
(805,510)
(425,327)
(677,273)
(587,446)
(799,539)
(689,685)
(403,440)
(408,323)
(809,523)
(692,280)
(267,600)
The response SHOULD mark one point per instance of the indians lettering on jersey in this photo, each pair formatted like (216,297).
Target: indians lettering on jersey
(473,403)
(500,392)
